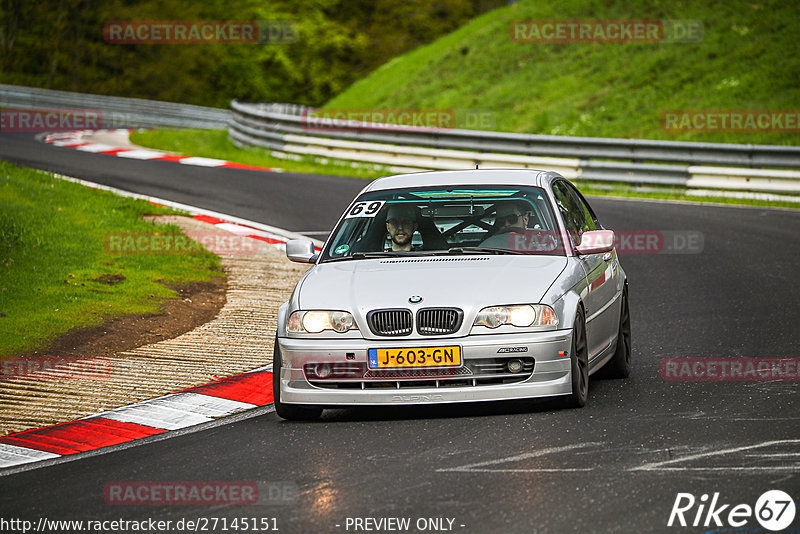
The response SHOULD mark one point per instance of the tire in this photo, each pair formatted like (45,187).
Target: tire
(291,412)
(619,366)
(579,365)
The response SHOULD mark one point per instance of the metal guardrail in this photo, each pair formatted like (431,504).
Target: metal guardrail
(117,112)
(284,128)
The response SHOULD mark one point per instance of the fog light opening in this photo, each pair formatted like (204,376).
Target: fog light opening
(514,366)
(322,370)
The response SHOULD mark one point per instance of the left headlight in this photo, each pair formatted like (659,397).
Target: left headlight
(522,315)
(316,321)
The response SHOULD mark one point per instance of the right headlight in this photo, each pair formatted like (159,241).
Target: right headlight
(521,315)
(315,321)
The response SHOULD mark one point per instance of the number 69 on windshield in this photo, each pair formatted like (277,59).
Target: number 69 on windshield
(365,209)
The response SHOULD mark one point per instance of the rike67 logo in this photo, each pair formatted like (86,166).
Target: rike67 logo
(774,510)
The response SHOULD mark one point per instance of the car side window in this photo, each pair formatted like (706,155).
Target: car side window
(571,210)
(590,220)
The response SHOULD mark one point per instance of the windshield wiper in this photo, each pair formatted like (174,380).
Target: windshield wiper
(481,250)
(381,254)
(406,254)
(367,255)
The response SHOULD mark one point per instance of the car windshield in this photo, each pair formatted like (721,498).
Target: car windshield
(446,220)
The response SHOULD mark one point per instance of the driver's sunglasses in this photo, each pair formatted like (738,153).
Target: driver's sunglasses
(508,219)
(400,222)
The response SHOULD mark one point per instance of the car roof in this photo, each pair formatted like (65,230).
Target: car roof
(529,177)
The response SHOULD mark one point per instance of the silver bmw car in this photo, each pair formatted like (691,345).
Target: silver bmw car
(454,286)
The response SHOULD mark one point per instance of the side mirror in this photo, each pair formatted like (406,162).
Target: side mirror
(301,251)
(596,242)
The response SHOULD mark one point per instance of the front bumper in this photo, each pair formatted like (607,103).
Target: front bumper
(550,376)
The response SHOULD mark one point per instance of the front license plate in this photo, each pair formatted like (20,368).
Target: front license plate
(415,357)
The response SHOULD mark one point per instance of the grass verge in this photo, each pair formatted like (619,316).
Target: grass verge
(215,144)
(620,189)
(56,273)
(619,89)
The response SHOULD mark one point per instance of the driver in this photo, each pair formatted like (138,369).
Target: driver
(510,217)
(401,222)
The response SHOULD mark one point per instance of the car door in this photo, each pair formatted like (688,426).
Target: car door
(599,292)
(607,287)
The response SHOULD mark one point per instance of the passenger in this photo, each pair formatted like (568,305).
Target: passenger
(510,217)
(401,222)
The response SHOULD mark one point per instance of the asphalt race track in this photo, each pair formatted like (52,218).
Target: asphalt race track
(616,465)
(270,198)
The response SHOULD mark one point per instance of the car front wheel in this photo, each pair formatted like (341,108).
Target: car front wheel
(579,365)
(620,364)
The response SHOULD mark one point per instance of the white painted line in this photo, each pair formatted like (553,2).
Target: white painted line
(122,147)
(660,466)
(738,469)
(202,162)
(534,470)
(239,229)
(11,455)
(141,154)
(200,404)
(65,142)
(96,147)
(154,416)
(774,455)
(742,194)
(476,467)
(178,410)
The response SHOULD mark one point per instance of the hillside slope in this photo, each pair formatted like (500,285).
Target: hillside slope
(747,60)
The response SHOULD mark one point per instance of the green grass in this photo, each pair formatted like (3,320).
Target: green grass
(620,189)
(52,254)
(748,59)
(216,144)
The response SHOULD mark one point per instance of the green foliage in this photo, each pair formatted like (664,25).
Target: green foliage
(59,44)
(747,60)
(53,258)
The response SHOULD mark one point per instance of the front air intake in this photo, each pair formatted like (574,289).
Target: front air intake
(392,322)
(439,321)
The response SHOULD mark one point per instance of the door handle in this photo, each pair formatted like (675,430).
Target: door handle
(607,256)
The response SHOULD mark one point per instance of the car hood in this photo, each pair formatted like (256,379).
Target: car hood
(468,282)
